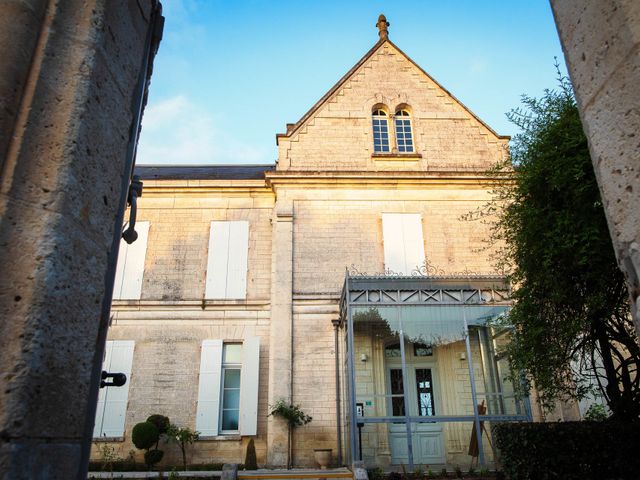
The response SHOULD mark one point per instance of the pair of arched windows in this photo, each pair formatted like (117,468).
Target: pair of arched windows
(402,130)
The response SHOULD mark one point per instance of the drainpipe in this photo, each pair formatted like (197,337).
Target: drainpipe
(336,326)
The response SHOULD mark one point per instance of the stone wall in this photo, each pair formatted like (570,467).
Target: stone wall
(337,230)
(172,318)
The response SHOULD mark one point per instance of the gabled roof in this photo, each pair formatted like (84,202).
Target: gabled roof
(292,130)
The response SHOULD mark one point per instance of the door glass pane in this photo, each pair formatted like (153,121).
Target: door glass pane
(397,392)
(392,351)
(424,387)
(422,350)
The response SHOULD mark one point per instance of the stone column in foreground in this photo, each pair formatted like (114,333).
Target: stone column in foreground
(601,43)
(68,72)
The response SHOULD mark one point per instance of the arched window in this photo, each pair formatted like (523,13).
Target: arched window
(380,131)
(404,138)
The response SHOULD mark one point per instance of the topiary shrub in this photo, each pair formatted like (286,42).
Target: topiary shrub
(145,435)
(250,459)
(160,421)
(152,457)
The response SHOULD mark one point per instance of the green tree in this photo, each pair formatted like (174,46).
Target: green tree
(183,436)
(571,317)
(294,416)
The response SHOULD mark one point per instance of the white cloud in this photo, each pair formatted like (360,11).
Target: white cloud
(478,65)
(178,131)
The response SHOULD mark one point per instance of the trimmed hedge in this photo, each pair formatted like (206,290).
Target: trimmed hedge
(569,450)
(144,435)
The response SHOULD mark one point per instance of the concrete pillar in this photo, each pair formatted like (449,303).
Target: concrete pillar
(68,71)
(281,329)
(601,43)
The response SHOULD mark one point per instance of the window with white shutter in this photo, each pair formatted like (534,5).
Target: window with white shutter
(227,262)
(130,269)
(403,242)
(112,401)
(228,387)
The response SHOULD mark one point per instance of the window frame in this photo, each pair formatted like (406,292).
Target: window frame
(403,116)
(211,387)
(378,115)
(224,367)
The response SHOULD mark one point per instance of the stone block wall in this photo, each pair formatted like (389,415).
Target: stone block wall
(337,230)
(339,136)
(165,372)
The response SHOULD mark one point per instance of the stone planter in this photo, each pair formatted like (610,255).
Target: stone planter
(322,457)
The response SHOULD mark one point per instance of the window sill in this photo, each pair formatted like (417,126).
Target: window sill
(107,439)
(411,157)
(220,438)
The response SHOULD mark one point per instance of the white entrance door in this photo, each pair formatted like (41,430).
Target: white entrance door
(427,438)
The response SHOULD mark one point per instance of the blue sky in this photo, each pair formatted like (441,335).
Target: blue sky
(230,74)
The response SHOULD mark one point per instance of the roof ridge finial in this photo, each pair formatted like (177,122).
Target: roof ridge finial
(382,25)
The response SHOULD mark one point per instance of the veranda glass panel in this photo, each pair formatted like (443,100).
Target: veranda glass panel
(377,362)
(496,392)
(438,382)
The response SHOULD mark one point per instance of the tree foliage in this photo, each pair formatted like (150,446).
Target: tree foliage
(571,318)
(182,436)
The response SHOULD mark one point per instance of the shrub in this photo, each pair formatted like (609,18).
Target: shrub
(145,435)
(160,421)
(568,450)
(152,457)
(293,414)
(596,413)
(250,459)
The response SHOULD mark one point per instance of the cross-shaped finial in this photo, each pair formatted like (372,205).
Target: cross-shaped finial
(382,26)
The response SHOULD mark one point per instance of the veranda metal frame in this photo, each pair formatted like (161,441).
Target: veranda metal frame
(390,290)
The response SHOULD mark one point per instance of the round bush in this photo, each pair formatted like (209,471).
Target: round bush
(160,421)
(144,435)
(152,457)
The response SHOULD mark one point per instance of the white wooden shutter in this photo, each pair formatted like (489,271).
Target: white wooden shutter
(130,269)
(216,284)
(393,242)
(237,264)
(97,426)
(115,399)
(249,382)
(413,241)
(209,388)
(227,262)
(403,242)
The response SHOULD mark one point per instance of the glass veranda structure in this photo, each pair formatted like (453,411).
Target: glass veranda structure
(423,373)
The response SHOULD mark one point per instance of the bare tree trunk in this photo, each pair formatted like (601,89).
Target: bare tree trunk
(612,390)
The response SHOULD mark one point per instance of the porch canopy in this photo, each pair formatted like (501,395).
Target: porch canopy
(423,371)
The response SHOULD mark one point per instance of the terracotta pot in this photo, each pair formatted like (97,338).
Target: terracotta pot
(323,457)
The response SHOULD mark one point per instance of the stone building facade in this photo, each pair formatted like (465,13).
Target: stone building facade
(234,296)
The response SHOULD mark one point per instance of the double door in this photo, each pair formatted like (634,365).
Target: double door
(421,393)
